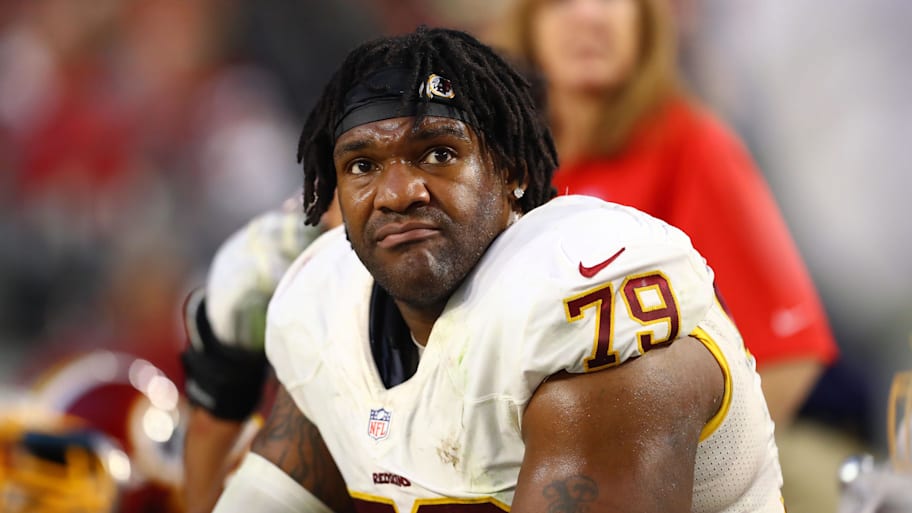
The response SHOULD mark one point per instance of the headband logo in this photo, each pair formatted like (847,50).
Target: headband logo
(435,85)
(383,95)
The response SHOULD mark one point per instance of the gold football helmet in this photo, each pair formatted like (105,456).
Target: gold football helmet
(50,463)
(134,404)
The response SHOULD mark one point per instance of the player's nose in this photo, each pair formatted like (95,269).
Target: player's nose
(399,186)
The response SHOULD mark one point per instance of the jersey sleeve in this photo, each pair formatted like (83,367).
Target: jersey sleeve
(619,284)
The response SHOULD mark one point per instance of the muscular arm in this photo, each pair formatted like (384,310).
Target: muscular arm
(293,443)
(623,439)
(209,440)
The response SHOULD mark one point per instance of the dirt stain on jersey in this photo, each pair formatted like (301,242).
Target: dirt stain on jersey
(448,452)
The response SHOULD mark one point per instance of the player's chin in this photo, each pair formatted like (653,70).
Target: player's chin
(419,266)
(421,279)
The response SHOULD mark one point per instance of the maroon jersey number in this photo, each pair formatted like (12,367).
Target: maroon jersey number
(650,301)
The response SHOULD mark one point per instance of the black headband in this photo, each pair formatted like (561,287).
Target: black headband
(385,94)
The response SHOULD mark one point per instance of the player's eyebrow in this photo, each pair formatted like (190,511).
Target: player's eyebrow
(425,133)
(422,133)
(351,146)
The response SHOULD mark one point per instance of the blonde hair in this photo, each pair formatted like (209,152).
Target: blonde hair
(653,80)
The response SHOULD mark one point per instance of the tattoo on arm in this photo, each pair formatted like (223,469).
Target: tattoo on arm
(572,495)
(294,444)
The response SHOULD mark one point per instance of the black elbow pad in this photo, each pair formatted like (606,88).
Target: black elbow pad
(223,380)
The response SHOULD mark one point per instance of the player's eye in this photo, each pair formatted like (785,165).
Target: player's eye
(359,167)
(439,156)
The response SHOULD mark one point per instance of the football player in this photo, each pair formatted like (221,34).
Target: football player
(224,363)
(467,344)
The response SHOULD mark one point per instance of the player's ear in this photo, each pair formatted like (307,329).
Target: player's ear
(515,181)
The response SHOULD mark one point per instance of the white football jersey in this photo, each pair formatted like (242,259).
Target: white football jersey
(576,285)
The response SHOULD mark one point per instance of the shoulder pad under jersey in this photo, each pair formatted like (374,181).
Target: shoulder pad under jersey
(315,292)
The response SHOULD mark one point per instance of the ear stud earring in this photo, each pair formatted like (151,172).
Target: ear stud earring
(519,192)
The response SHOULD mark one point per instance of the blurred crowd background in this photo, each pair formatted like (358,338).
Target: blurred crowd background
(135,135)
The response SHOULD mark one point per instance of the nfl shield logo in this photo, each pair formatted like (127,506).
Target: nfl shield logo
(379,425)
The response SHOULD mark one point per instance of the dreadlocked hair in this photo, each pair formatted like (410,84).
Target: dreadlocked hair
(496,98)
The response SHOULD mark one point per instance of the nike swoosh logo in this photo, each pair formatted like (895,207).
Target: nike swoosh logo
(589,272)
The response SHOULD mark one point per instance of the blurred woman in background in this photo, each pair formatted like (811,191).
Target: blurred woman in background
(627,131)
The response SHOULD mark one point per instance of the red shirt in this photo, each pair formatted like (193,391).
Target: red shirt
(684,167)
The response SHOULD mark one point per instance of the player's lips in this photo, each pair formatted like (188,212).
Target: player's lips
(394,234)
